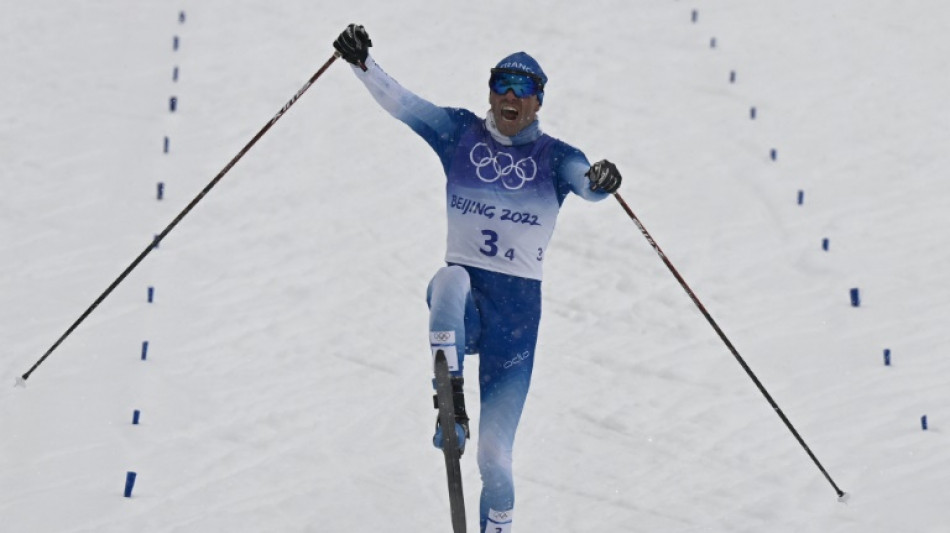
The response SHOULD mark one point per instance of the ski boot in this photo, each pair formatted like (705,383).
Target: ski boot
(461,418)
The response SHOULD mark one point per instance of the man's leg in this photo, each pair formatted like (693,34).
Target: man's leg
(503,397)
(453,325)
(510,309)
(451,308)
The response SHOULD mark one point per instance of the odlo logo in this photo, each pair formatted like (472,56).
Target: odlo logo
(518,359)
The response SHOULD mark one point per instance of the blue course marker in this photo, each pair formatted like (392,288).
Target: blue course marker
(129,483)
(855,297)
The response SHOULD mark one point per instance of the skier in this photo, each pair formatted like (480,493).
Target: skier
(506,181)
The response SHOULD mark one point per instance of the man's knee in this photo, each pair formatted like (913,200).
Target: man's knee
(449,286)
(494,461)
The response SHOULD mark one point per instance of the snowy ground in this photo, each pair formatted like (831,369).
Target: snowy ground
(286,385)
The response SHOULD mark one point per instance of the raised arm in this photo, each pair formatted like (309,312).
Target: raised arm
(435,124)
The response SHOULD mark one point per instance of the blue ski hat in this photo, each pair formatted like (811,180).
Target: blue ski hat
(523,62)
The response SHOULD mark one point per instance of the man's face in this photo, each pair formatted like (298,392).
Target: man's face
(513,114)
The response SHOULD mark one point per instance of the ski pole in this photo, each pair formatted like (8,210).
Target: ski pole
(842,496)
(154,243)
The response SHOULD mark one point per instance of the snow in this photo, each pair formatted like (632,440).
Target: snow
(286,386)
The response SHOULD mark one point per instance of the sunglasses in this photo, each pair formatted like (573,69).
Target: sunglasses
(523,84)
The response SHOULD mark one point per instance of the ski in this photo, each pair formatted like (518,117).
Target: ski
(450,444)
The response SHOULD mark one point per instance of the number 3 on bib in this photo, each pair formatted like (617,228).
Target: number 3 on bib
(490,246)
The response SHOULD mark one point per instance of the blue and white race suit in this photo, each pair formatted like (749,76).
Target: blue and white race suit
(503,195)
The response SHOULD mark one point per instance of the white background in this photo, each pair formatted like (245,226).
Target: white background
(287,380)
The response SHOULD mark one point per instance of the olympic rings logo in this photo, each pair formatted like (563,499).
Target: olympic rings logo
(489,167)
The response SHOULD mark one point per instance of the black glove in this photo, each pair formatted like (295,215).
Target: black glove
(604,176)
(353,45)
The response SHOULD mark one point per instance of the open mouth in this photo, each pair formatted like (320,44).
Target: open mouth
(509,113)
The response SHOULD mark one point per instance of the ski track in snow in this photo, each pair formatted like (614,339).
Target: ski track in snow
(287,383)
